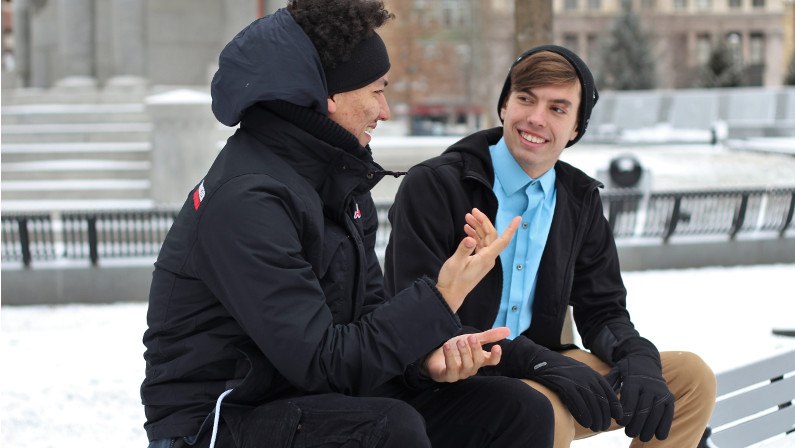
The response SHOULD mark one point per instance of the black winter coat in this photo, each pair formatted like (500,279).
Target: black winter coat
(579,265)
(268,282)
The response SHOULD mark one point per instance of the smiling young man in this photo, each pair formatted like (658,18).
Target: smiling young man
(563,255)
(267,322)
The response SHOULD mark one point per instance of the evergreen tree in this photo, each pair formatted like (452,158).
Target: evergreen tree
(628,61)
(789,78)
(722,68)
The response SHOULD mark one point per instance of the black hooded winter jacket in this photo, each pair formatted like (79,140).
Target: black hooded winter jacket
(579,265)
(267,282)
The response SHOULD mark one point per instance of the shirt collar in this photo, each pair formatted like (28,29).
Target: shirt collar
(511,175)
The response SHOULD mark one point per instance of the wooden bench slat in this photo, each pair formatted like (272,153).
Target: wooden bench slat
(753,401)
(747,375)
(756,430)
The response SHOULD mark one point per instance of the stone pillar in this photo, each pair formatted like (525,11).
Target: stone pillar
(76,44)
(184,143)
(127,45)
(22,20)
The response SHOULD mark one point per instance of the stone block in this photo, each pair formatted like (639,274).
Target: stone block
(640,109)
(694,109)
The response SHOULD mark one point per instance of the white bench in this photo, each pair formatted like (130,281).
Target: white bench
(755,403)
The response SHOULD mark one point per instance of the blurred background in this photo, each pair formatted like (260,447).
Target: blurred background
(106,123)
(106,127)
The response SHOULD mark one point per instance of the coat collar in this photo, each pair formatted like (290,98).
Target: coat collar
(327,156)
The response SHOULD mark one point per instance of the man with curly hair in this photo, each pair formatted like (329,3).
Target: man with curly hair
(267,323)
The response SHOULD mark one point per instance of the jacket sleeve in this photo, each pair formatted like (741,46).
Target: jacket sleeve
(598,294)
(250,254)
(374,284)
(423,230)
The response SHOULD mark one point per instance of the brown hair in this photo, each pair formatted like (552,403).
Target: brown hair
(544,68)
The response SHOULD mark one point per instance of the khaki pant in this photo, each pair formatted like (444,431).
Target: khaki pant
(690,380)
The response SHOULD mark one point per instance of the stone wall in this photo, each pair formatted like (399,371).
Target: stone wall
(123,43)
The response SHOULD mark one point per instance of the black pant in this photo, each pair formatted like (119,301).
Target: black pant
(492,412)
(485,411)
(318,421)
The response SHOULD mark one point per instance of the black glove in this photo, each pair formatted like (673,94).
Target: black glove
(587,395)
(648,404)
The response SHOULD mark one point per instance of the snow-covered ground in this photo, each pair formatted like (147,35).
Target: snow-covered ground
(71,374)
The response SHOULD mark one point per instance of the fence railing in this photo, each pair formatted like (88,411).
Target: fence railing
(95,235)
(710,212)
(87,235)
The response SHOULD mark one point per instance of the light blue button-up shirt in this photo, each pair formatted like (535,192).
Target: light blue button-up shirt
(534,200)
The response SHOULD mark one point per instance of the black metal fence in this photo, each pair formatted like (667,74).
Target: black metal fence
(86,235)
(95,235)
(711,212)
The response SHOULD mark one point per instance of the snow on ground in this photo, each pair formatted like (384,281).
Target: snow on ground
(71,374)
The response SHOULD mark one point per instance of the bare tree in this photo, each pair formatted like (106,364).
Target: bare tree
(533,24)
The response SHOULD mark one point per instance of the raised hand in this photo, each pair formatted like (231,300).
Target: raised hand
(463,270)
(462,356)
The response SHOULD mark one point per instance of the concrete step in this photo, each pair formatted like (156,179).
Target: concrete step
(74,113)
(76,132)
(65,169)
(21,96)
(29,152)
(70,205)
(13,190)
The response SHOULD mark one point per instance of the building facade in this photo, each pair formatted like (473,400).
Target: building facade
(124,43)
(683,34)
(450,56)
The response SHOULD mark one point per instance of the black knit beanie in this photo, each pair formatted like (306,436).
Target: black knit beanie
(589,94)
(368,62)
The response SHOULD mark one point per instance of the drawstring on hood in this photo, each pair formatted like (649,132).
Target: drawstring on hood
(394,174)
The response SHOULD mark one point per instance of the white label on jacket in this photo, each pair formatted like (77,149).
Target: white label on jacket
(198,196)
(357,213)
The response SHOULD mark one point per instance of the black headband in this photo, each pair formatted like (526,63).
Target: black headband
(368,62)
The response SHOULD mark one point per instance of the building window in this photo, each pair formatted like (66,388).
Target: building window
(735,4)
(593,49)
(452,14)
(756,48)
(703,48)
(758,3)
(680,5)
(594,5)
(648,5)
(570,5)
(703,5)
(570,42)
(735,42)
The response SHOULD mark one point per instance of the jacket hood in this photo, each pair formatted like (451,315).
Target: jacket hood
(271,59)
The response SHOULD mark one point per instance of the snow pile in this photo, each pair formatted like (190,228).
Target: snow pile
(71,373)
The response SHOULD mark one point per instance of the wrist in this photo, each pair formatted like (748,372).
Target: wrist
(448,297)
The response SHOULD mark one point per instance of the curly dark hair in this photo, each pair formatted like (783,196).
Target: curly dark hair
(335,27)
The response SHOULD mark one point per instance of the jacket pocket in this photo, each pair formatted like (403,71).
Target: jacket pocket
(284,424)
(270,425)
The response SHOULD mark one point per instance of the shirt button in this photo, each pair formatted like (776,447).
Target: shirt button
(514,308)
(524,225)
(519,267)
